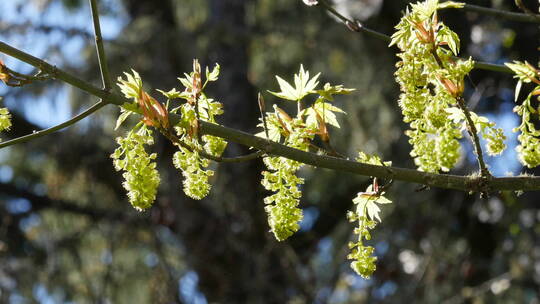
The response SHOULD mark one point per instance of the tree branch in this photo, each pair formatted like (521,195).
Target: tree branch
(471,128)
(237,159)
(474,136)
(62,75)
(520,17)
(104,69)
(358,27)
(447,181)
(61,126)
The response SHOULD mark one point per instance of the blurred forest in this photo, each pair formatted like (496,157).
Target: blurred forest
(69,235)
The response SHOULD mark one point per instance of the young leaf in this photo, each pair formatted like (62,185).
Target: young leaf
(524,71)
(172,94)
(328,91)
(212,76)
(125,114)
(303,86)
(518,89)
(450,4)
(369,201)
(325,110)
(131,86)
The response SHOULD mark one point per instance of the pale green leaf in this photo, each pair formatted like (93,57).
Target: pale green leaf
(518,89)
(328,91)
(450,4)
(367,203)
(123,116)
(383,200)
(172,94)
(303,86)
(523,70)
(213,76)
(372,210)
(455,114)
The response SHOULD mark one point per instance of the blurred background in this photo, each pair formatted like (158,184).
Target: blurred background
(69,235)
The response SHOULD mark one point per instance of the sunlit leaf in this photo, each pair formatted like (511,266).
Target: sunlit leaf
(303,86)
(213,76)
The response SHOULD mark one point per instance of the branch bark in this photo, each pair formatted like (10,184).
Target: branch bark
(100,49)
(520,17)
(447,181)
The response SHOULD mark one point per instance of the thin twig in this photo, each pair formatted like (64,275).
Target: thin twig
(104,69)
(520,17)
(491,67)
(476,291)
(358,27)
(262,109)
(39,76)
(354,25)
(524,8)
(50,130)
(61,74)
(237,159)
(445,181)
(16,79)
(474,136)
(471,128)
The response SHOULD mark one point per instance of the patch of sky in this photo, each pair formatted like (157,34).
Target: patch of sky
(166,236)
(16,298)
(507,163)
(324,250)
(29,222)
(386,289)
(48,109)
(381,248)
(44,296)
(106,257)
(53,106)
(18,205)
(340,295)
(6,173)
(311,214)
(39,189)
(322,295)
(151,260)
(188,287)
(357,282)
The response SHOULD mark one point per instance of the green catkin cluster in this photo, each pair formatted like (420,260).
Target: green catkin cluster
(193,166)
(366,213)
(141,179)
(431,82)
(5,119)
(529,139)
(188,159)
(282,206)
(363,260)
(284,214)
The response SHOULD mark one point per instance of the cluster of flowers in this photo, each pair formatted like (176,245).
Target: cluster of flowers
(432,83)
(140,174)
(529,139)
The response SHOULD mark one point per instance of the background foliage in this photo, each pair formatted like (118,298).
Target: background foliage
(69,234)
